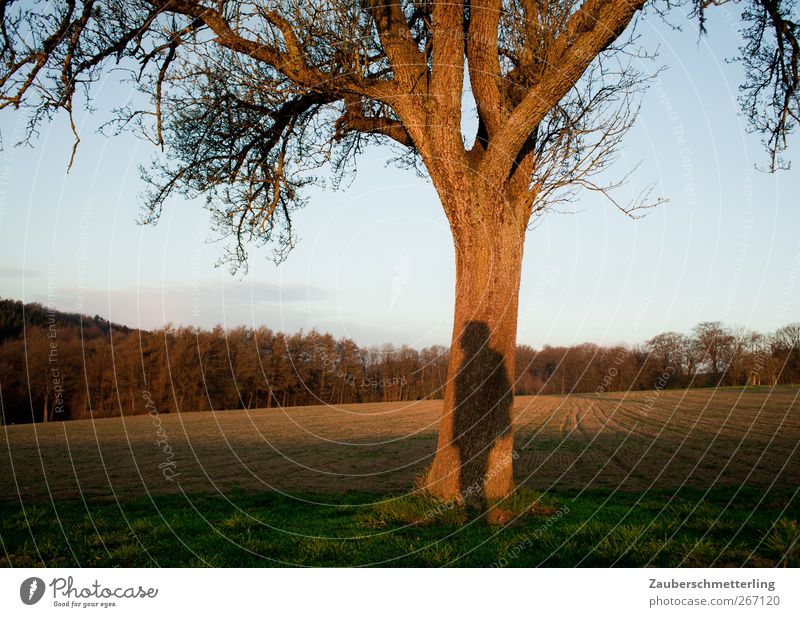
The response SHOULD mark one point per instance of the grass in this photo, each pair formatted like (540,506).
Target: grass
(722,527)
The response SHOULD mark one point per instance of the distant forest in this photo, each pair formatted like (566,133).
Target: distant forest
(58,366)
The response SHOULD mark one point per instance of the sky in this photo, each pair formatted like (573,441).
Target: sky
(375,259)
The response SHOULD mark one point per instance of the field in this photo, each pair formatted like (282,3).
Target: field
(699,477)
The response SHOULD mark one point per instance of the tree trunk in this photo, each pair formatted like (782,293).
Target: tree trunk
(46,396)
(475,451)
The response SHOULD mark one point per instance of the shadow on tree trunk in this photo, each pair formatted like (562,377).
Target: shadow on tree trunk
(482,411)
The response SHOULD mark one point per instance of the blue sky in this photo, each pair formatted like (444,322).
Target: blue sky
(375,261)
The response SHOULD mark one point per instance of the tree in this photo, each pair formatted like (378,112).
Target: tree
(667,356)
(786,346)
(250,97)
(715,345)
(751,359)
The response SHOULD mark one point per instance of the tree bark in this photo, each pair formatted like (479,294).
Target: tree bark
(46,399)
(475,451)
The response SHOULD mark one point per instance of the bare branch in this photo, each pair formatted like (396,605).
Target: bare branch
(589,31)
(770,98)
(248,100)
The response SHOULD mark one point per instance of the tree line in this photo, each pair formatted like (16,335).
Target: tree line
(59,366)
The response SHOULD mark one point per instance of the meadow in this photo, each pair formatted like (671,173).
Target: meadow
(669,478)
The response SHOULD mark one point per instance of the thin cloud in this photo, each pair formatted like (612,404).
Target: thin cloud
(205,303)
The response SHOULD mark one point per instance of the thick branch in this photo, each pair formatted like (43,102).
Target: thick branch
(484,63)
(406,60)
(447,74)
(355,120)
(589,31)
(444,153)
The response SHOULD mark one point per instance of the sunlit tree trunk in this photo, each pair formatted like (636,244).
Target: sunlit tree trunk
(474,458)
(46,401)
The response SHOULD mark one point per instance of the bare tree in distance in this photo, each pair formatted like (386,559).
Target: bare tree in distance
(252,102)
(714,345)
(668,350)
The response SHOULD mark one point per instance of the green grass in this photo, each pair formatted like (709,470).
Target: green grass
(593,528)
